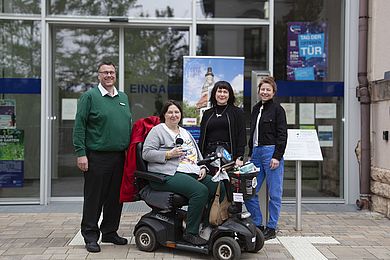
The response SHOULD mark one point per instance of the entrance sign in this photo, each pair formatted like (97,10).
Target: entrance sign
(302,145)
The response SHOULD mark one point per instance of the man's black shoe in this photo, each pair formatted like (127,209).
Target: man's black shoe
(194,239)
(269,233)
(92,247)
(115,239)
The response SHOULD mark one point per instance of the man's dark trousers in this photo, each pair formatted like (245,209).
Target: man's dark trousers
(102,184)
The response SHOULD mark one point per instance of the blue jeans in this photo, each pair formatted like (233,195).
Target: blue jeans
(261,157)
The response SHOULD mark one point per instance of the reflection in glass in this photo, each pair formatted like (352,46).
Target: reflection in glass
(153,67)
(20,7)
(132,8)
(20,49)
(21,58)
(77,53)
(232,9)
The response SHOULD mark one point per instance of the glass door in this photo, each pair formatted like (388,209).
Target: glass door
(77,53)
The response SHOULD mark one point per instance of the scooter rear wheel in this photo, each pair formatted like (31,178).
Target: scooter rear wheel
(145,239)
(259,241)
(226,248)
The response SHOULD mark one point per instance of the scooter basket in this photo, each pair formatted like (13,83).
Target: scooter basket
(244,183)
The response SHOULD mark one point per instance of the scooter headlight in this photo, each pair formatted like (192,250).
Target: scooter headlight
(245,215)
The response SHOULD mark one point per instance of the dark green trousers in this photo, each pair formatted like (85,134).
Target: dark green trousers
(198,193)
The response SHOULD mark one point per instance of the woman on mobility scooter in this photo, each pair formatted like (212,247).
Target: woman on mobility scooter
(179,162)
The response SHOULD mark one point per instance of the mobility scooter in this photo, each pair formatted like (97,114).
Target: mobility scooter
(163,226)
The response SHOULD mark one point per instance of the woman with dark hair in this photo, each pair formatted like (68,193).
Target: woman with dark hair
(223,124)
(179,163)
(267,143)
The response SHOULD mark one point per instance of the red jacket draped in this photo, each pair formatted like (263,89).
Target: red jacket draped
(138,134)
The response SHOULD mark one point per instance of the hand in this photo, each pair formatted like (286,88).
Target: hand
(274,164)
(239,162)
(82,163)
(202,174)
(175,152)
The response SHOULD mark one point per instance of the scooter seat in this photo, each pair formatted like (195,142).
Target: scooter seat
(162,200)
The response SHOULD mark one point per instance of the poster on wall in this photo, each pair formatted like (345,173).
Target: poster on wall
(325,135)
(307,50)
(11,158)
(199,76)
(7,113)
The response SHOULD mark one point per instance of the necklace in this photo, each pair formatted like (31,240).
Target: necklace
(219,115)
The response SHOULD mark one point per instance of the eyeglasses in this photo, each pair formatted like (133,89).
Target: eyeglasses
(106,73)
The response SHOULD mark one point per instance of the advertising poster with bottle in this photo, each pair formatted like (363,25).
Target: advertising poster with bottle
(307,50)
(199,76)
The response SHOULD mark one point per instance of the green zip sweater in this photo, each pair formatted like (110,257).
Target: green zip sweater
(103,123)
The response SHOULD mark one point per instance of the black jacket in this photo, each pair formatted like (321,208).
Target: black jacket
(237,131)
(273,127)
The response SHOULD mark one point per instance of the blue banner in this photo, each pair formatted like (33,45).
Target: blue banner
(288,88)
(20,86)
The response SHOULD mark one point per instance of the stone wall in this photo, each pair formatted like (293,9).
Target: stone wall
(380,188)
(380,148)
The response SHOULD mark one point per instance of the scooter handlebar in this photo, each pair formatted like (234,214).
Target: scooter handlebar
(207,160)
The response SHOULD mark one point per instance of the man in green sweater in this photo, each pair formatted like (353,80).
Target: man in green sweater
(101,135)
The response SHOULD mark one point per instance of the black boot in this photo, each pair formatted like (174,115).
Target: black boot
(269,233)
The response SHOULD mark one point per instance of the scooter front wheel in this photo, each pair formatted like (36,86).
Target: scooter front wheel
(145,239)
(226,248)
(259,241)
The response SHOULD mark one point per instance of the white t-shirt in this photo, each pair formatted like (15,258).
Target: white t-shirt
(256,133)
(187,162)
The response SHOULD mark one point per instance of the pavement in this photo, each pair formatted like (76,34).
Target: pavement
(329,231)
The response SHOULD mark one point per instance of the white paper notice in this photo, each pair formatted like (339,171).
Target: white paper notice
(325,135)
(302,145)
(238,197)
(290,112)
(306,113)
(69,108)
(326,110)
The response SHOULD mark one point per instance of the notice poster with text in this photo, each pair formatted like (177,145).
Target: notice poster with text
(307,51)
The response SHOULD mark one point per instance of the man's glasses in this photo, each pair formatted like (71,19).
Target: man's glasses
(106,73)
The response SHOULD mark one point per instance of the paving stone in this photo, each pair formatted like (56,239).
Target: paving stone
(56,250)
(58,256)
(24,251)
(36,257)
(326,252)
